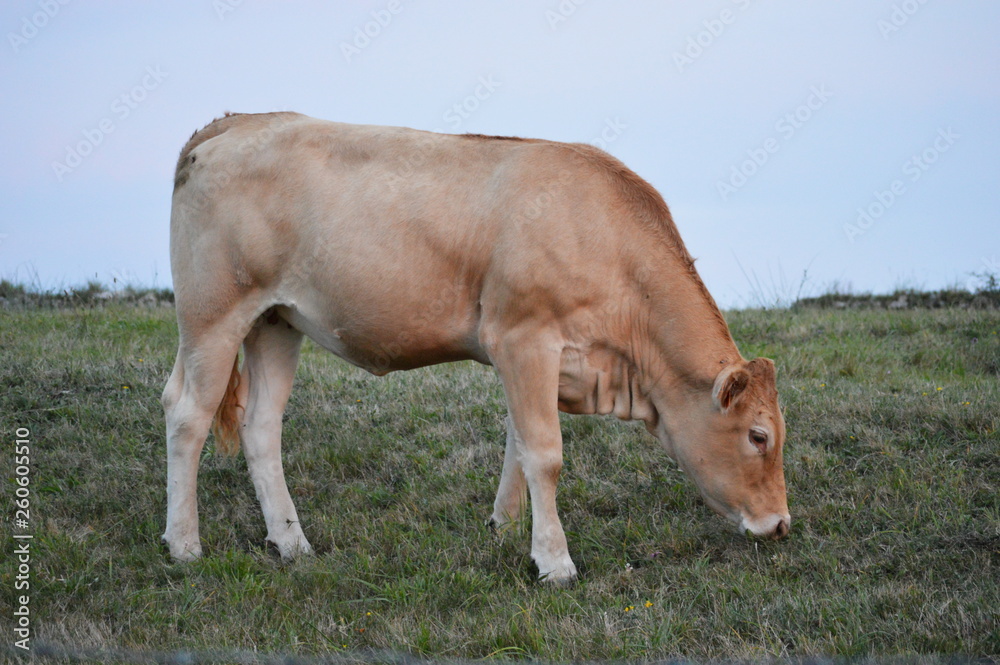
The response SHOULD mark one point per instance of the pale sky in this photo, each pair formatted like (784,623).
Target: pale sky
(769,127)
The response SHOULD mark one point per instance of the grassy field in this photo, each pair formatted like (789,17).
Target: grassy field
(892,462)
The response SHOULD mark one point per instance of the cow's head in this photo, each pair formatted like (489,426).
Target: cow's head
(729,441)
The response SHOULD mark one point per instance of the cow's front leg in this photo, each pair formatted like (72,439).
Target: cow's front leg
(530,375)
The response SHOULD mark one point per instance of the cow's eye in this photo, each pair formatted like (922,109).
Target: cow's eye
(758,438)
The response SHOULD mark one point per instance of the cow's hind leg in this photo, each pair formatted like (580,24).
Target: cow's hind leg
(512,493)
(271,356)
(529,370)
(194,391)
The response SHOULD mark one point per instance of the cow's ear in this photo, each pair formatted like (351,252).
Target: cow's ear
(730,386)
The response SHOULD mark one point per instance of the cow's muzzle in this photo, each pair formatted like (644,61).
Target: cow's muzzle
(773,527)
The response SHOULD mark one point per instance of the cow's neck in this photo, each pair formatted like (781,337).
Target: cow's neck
(687,341)
(660,333)
(668,346)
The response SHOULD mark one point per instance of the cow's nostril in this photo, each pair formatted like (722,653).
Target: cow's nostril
(781,530)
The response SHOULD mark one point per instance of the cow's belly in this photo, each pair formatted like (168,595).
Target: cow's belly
(382,329)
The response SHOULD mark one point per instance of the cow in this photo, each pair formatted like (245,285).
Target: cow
(394,249)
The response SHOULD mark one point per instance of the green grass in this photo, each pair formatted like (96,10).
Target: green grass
(892,462)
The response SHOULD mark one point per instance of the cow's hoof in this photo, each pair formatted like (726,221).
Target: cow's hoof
(182,550)
(562,581)
(560,572)
(291,548)
(500,523)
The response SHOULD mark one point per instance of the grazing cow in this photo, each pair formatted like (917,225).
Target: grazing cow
(395,249)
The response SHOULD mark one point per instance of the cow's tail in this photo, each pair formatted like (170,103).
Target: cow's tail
(226,426)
